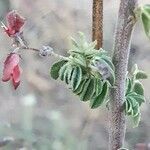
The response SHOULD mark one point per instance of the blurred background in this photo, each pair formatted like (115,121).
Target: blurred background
(42,114)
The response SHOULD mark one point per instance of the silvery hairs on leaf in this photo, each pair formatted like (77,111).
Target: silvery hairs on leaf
(103,69)
(45,51)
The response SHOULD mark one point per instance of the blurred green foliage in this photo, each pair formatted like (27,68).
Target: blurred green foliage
(40,133)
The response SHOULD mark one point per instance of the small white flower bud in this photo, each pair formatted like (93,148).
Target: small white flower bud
(45,51)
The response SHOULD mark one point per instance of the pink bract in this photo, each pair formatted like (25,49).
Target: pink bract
(14,23)
(12,70)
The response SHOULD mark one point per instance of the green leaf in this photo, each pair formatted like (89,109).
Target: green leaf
(129,109)
(111,78)
(145,16)
(108,60)
(136,120)
(102,52)
(138,88)
(82,41)
(82,47)
(76,77)
(74,43)
(79,47)
(126,106)
(133,101)
(146,8)
(98,86)
(54,72)
(105,64)
(135,106)
(136,110)
(128,85)
(62,71)
(84,92)
(75,49)
(78,60)
(74,52)
(134,69)
(139,98)
(141,75)
(92,45)
(91,53)
(68,74)
(80,87)
(98,100)
(131,106)
(65,75)
(90,91)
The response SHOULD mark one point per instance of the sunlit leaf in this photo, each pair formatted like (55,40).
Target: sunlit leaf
(136,120)
(76,77)
(98,100)
(54,72)
(80,87)
(145,16)
(79,60)
(90,91)
(141,75)
(129,108)
(128,85)
(138,88)
(84,92)
(62,71)
(99,86)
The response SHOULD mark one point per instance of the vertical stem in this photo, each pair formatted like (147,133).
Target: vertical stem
(97,27)
(125,24)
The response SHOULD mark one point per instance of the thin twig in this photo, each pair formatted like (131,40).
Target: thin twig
(59,56)
(31,49)
(97,27)
(46,49)
(52,53)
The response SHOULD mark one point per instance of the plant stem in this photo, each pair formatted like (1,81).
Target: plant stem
(31,49)
(50,54)
(97,27)
(124,28)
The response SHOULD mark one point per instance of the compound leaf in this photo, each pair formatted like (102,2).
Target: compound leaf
(138,88)
(98,100)
(76,77)
(54,72)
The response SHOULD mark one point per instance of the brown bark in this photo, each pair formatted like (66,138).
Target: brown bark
(123,34)
(97,27)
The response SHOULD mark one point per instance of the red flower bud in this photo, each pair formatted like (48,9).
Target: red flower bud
(12,70)
(14,23)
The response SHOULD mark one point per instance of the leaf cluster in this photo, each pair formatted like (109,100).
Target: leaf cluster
(88,72)
(134,94)
(144,14)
